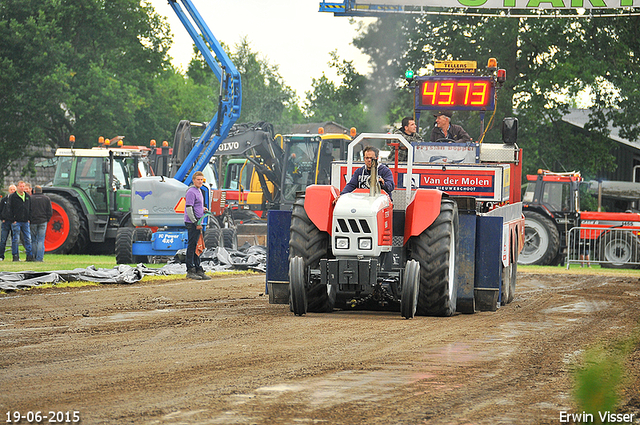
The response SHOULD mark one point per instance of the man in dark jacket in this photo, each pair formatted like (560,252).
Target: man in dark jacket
(361,177)
(445,131)
(41,212)
(20,204)
(409,131)
(5,216)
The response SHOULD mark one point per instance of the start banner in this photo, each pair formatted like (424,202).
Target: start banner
(502,4)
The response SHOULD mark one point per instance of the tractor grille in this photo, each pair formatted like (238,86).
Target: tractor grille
(354,226)
(223,199)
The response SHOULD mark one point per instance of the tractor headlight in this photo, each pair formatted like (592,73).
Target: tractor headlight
(342,243)
(364,243)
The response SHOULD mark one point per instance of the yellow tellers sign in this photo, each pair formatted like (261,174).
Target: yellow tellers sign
(455,67)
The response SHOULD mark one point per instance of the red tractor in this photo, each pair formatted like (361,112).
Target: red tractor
(427,253)
(551,205)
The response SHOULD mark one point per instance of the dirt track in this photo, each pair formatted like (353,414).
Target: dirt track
(218,353)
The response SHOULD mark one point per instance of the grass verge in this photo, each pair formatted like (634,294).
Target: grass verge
(604,375)
(595,269)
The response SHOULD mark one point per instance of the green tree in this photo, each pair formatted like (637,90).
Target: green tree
(265,96)
(342,103)
(82,67)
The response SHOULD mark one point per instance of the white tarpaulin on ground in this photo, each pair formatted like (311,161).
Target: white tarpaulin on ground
(213,259)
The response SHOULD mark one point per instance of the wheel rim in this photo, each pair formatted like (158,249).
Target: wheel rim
(617,252)
(57,229)
(536,242)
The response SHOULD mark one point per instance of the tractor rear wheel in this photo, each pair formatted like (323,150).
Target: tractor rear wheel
(541,240)
(410,289)
(182,145)
(312,245)
(436,250)
(63,228)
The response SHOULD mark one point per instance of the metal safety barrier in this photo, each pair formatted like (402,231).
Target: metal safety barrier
(610,247)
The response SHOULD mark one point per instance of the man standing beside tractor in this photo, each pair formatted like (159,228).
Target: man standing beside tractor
(41,213)
(194,210)
(5,216)
(20,205)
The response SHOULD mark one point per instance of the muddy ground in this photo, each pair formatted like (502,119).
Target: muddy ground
(218,353)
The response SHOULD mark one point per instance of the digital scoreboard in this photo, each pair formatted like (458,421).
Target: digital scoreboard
(455,93)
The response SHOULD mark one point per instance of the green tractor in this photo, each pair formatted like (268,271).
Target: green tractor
(91,197)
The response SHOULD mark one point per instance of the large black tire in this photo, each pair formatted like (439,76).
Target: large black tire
(309,243)
(229,238)
(541,240)
(618,250)
(214,223)
(410,289)
(124,245)
(244,215)
(506,284)
(213,238)
(436,249)
(83,243)
(297,286)
(64,227)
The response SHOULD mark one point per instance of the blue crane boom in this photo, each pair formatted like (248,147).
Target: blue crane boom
(157,201)
(230,97)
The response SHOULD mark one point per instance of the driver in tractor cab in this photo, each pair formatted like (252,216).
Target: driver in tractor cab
(444,131)
(361,177)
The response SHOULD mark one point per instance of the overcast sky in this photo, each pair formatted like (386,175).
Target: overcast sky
(291,34)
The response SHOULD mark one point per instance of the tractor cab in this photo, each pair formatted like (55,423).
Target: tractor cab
(97,173)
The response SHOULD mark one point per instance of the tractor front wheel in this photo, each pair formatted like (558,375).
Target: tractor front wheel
(297,286)
(618,250)
(410,289)
(311,245)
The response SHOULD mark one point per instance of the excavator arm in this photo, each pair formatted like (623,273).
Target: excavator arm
(230,96)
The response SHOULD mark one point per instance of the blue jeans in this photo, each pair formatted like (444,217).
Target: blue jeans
(38,232)
(6,229)
(16,229)
(193,234)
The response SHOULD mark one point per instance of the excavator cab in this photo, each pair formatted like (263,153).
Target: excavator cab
(308,161)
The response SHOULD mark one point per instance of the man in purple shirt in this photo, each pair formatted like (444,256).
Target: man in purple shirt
(193,211)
